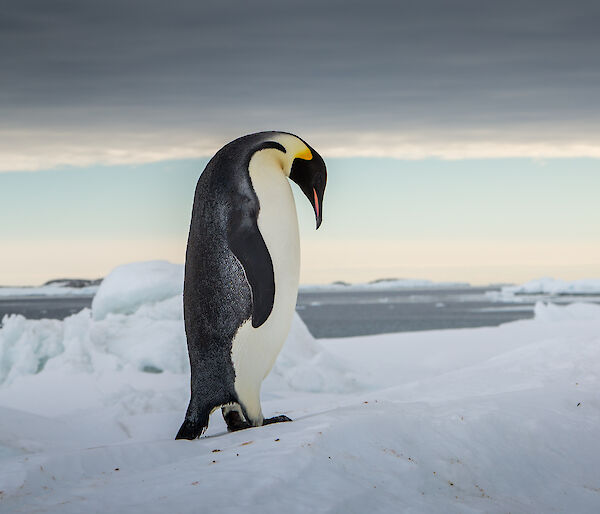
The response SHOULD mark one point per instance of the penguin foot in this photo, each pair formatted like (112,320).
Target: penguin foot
(234,421)
(190,430)
(276,419)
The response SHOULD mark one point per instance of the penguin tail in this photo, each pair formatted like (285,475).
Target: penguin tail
(192,430)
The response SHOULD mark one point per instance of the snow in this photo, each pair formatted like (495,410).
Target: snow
(121,332)
(498,419)
(574,312)
(552,286)
(130,286)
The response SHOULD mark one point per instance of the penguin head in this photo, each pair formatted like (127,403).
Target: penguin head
(305,167)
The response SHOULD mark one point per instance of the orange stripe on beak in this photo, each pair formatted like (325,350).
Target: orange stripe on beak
(316,202)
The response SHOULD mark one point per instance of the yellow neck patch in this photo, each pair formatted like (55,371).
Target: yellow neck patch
(304,154)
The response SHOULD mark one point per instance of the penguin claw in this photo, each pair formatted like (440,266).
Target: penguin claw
(276,419)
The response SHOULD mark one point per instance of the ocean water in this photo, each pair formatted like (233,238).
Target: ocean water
(348,313)
(343,314)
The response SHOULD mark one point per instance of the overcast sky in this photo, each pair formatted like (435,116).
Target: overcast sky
(117,104)
(114,81)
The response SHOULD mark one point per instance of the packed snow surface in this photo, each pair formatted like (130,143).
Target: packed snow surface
(501,419)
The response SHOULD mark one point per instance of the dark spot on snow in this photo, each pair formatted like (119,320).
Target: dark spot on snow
(329,457)
(194,483)
(481,490)
(237,454)
(117,469)
(578,404)
(214,461)
(451,484)
(41,364)
(216,450)
(246,443)
(365,402)
(148,368)
(277,439)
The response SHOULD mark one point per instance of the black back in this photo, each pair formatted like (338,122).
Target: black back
(228,270)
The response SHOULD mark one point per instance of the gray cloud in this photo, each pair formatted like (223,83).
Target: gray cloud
(495,70)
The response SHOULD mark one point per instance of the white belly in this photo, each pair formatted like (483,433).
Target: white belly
(254,350)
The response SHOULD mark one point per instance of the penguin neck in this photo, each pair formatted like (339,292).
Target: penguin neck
(269,172)
(270,161)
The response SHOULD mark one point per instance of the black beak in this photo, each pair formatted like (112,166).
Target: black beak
(311,176)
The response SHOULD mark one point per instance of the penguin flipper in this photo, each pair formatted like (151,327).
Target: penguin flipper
(247,244)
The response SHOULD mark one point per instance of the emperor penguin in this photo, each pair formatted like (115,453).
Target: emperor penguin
(242,271)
